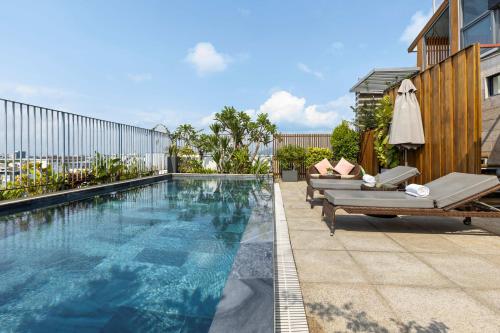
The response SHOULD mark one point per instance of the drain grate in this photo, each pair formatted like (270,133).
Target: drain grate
(289,309)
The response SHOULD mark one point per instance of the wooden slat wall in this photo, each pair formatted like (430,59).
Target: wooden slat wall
(367,157)
(321,140)
(449,94)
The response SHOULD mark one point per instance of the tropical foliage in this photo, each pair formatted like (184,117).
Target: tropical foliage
(345,142)
(291,157)
(234,142)
(387,154)
(38,178)
(315,154)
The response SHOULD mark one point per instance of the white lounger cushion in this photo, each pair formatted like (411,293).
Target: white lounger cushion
(456,186)
(385,199)
(397,175)
(394,176)
(336,184)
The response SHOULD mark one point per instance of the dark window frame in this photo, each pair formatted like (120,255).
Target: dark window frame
(489,81)
(494,20)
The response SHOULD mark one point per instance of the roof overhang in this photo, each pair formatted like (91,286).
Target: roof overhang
(429,24)
(379,79)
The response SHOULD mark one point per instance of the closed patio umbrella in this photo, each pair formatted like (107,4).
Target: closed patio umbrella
(406,129)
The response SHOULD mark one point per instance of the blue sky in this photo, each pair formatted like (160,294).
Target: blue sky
(172,62)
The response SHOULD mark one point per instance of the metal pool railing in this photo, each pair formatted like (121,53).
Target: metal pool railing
(40,147)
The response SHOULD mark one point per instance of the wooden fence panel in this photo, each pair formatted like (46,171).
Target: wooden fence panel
(305,140)
(367,157)
(449,94)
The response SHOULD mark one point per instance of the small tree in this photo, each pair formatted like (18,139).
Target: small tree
(315,154)
(345,142)
(291,157)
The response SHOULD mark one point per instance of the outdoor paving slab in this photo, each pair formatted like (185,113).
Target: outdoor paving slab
(398,268)
(466,270)
(302,212)
(442,225)
(495,259)
(439,310)
(353,223)
(424,242)
(327,266)
(367,241)
(314,240)
(347,308)
(307,224)
(485,244)
(490,296)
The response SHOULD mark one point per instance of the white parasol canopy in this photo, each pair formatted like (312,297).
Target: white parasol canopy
(406,127)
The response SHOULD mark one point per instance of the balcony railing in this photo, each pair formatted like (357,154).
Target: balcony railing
(42,149)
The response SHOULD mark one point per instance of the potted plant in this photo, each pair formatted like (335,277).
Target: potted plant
(290,157)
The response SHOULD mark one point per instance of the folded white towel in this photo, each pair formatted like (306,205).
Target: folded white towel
(417,190)
(369,179)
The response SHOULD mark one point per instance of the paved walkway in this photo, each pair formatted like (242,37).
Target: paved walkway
(411,274)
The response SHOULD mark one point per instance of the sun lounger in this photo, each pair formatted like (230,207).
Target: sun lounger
(456,194)
(394,177)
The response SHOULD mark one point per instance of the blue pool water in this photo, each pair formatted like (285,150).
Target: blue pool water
(150,259)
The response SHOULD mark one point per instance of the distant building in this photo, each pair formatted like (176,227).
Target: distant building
(455,25)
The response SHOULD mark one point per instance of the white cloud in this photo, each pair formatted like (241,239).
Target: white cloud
(304,68)
(140,77)
(417,22)
(205,59)
(205,121)
(286,109)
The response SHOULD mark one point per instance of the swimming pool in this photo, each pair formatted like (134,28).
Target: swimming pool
(152,258)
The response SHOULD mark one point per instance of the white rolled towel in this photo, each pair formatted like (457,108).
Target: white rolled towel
(369,179)
(416,190)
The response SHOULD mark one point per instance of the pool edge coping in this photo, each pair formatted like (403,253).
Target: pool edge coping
(290,315)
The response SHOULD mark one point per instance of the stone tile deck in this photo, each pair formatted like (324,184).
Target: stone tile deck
(410,274)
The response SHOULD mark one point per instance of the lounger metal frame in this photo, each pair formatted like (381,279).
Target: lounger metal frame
(467,208)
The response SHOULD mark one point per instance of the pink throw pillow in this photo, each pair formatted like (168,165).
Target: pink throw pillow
(323,166)
(343,167)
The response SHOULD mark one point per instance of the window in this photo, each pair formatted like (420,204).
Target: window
(479,24)
(479,32)
(472,9)
(494,85)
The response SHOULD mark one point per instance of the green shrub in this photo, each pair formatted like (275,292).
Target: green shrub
(345,142)
(291,157)
(388,155)
(315,154)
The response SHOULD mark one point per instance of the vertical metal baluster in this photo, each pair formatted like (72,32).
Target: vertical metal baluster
(35,145)
(6,147)
(28,148)
(47,144)
(52,151)
(21,145)
(73,149)
(41,148)
(58,147)
(63,116)
(78,146)
(13,106)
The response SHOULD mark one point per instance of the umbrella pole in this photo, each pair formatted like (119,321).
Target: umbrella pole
(406,157)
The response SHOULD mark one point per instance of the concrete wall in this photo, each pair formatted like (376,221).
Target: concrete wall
(491,113)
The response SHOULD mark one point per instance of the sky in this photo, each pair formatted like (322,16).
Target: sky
(174,62)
